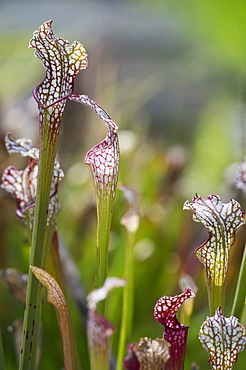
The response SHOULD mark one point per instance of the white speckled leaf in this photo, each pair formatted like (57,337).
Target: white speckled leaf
(62,62)
(24,147)
(222,338)
(23,183)
(103,157)
(20,146)
(221,220)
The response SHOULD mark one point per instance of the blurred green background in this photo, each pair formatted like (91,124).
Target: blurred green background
(172,75)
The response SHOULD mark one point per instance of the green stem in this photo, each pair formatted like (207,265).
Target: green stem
(216,278)
(55,261)
(128,298)
(215,296)
(239,298)
(104,218)
(99,359)
(2,359)
(48,148)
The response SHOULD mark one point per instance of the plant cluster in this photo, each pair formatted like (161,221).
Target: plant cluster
(36,192)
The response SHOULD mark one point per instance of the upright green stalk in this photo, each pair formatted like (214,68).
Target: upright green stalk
(33,299)
(2,359)
(104,218)
(240,295)
(216,296)
(30,187)
(127,306)
(62,62)
(131,223)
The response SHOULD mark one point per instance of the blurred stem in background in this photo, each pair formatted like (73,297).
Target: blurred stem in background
(240,295)
(130,221)
(2,359)
(186,310)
